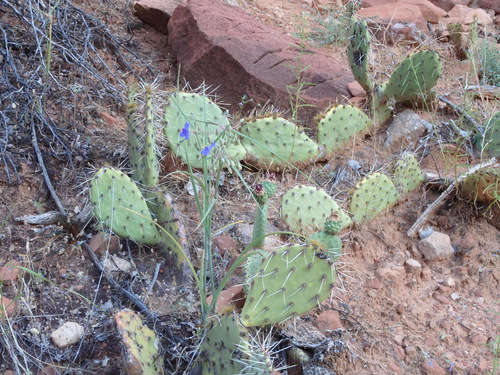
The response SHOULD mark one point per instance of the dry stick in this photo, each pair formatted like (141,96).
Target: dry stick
(461,112)
(44,171)
(433,207)
(131,296)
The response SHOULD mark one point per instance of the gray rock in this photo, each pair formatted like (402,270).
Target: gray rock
(436,247)
(405,131)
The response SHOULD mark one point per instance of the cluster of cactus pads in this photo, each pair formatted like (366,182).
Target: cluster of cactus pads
(414,77)
(139,345)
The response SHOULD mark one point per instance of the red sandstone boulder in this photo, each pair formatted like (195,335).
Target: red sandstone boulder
(494,5)
(431,12)
(156,13)
(226,48)
(396,22)
(465,16)
(448,5)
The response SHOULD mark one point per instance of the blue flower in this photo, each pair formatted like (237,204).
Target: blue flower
(207,149)
(185,131)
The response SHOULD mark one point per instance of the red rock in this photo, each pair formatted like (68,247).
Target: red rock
(100,242)
(8,307)
(356,89)
(394,22)
(448,5)
(400,309)
(225,243)
(396,274)
(395,368)
(373,284)
(329,320)
(357,101)
(431,12)
(410,350)
(442,299)
(225,47)
(10,272)
(430,367)
(465,16)
(494,5)
(156,13)
(479,340)
(111,120)
(400,352)
(374,3)
(229,299)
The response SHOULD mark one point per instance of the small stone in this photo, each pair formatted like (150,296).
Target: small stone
(328,320)
(400,352)
(356,89)
(244,232)
(479,340)
(100,242)
(480,300)
(117,264)
(373,284)
(357,101)
(400,309)
(414,267)
(449,282)
(410,350)
(430,367)
(10,272)
(225,243)
(426,274)
(442,299)
(455,296)
(436,247)
(67,334)
(392,273)
(398,339)
(406,129)
(229,299)
(443,289)
(109,120)
(395,368)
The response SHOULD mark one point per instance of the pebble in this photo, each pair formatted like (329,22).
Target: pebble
(455,296)
(115,264)
(329,320)
(436,246)
(410,350)
(430,367)
(392,273)
(10,272)
(67,334)
(442,299)
(225,243)
(449,282)
(374,284)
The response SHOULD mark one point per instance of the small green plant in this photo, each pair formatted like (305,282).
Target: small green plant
(488,58)
(332,27)
(488,141)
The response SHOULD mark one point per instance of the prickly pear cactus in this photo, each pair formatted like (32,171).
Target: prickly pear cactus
(120,206)
(291,281)
(490,142)
(306,209)
(371,196)
(139,344)
(482,186)
(340,124)
(414,76)
(262,193)
(273,143)
(407,173)
(227,349)
(358,49)
(196,128)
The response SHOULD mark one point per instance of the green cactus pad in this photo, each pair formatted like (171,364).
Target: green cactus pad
(120,206)
(330,243)
(339,124)
(490,142)
(482,186)
(252,266)
(207,125)
(414,76)
(227,349)
(371,196)
(139,344)
(358,49)
(306,209)
(407,173)
(291,281)
(273,143)
(333,227)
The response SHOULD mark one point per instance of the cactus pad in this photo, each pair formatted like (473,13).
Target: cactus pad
(227,349)
(291,281)
(306,209)
(120,206)
(139,344)
(193,124)
(371,196)
(358,49)
(407,173)
(414,76)
(332,244)
(482,186)
(274,143)
(339,124)
(490,142)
